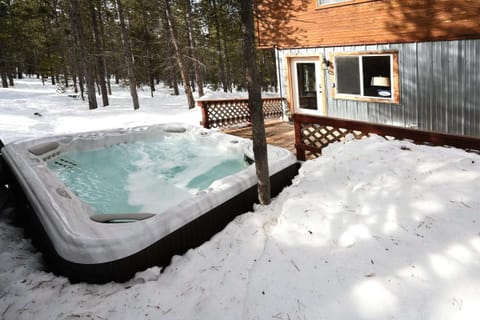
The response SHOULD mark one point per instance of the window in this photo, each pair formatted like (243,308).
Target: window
(325,4)
(322,2)
(307,87)
(369,76)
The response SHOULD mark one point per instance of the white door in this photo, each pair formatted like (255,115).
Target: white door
(306,85)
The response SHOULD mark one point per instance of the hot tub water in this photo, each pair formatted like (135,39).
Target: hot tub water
(146,176)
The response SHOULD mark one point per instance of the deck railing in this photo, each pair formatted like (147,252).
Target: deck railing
(313,133)
(218,113)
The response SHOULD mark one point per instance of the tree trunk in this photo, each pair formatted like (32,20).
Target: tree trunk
(75,86)
(65,76)
(109,86)
(82,88)
(4,76)
(148,57)
(85,61)
(151,79)
(127,53)
(178,55)
(228,71)
(255,101)
(11,78)
(151,82)
(104,50)
(98,54)
(220,51)
(193,48)
(174,83)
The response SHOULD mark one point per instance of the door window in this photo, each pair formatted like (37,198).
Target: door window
(306,84)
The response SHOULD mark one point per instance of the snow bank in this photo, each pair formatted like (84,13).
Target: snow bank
(31,110)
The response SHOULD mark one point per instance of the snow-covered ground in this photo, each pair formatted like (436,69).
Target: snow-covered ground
(30,110)
(373,229)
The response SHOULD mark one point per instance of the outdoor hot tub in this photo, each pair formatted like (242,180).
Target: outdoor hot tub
(104,205)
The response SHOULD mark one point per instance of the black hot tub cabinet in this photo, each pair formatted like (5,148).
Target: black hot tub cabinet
(85,246)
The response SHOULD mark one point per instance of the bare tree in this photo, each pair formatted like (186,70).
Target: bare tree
(255,101)
(102,8)
(221,50)
(193,47)
(127,53)
(178,54)
(98,54)
(86,67)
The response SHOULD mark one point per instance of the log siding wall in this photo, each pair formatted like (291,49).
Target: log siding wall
(303,23)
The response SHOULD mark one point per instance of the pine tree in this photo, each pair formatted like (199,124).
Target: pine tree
(171,24)
(193,47)
(86,65)
(255,101)
(199,46)
(99,56)
(128,56)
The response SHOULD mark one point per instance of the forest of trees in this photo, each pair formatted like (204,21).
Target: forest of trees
(90,44)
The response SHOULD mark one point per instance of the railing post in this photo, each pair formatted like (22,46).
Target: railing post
(204,106)
(297,125)
(283,103)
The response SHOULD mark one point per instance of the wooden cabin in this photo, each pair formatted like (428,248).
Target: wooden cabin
(409,63)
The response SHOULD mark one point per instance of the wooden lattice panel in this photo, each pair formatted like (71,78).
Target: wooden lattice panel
(319,136)
(227,113)
(309,155)
(312,133)
(272,108)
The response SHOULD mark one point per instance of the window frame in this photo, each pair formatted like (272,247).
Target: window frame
(341,3)
(394,78)
(289,60)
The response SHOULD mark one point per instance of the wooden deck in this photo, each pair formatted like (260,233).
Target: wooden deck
(278,133)
(316,132)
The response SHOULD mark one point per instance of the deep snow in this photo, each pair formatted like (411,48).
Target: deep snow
(373,229)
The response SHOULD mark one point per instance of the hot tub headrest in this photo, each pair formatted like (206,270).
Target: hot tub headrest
(173,129)
(120,217)
(42,148)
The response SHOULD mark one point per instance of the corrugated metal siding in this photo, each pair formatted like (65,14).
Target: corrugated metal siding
(472,88)
(439,87)
(423,96)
